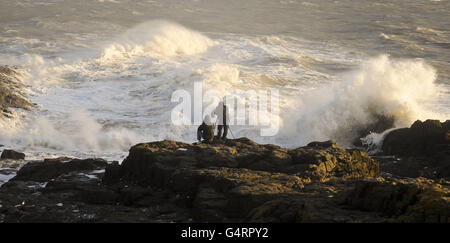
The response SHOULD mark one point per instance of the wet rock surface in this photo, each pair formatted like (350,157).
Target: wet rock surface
(11,91)
(11,154)
(417,200)
(227,181)
(428,138)
(155,163)
(422,150)
(49,169)
(177,182)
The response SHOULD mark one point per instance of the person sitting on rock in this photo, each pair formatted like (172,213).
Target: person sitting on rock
(206,130)
(222,120)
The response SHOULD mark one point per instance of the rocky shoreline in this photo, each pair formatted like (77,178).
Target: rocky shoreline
(11,95)
(239,180)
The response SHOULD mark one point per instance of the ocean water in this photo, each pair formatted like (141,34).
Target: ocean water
(102,72)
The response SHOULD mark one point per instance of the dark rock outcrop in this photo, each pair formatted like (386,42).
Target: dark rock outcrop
(70,190)
(419,200)
(11,91)
(230,181)
(227,181)
(50,169)
(421,150)
(421,139)
(11,154)
(156,163)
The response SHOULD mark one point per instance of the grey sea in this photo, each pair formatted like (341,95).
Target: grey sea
(102,72)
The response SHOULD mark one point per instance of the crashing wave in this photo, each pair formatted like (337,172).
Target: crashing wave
(158,39)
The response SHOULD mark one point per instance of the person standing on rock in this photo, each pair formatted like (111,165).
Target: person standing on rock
(222,120)
(206,130)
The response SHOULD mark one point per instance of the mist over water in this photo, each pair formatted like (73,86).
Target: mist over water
(102,72)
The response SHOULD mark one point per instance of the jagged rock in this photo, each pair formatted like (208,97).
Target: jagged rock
(226,181)
(11,154)
(11,94)
(113,174)
(155,163)
(416,201)
(421,139)
(50,169)
(421,150)
(77,186)
(229,179)
(232,191)
(59,159)
(322,164)
(326,144)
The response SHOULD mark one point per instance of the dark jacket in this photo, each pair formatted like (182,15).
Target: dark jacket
(206,132)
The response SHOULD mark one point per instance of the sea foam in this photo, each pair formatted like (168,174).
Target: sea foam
(380,87)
